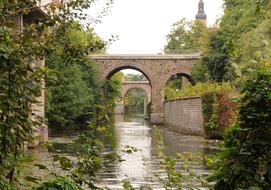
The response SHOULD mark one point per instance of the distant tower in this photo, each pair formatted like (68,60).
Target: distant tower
(201,16)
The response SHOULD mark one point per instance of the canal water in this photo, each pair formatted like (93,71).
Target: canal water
(142,167)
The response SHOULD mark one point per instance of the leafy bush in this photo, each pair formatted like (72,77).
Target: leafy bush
(59,183)
(198,90)
(246,161)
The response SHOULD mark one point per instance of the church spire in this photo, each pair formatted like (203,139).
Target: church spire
(201,14)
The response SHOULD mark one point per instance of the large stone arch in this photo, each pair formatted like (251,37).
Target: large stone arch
(157,68)
(108,73)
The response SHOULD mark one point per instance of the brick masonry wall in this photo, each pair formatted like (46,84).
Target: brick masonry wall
(185,115)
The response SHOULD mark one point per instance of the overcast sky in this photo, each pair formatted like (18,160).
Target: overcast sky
(142,25)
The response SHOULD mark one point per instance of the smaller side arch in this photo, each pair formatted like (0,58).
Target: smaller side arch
(186,79)
(178,72)
(185,75)
(128,86)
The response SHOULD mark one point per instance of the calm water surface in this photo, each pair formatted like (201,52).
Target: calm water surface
(137,132)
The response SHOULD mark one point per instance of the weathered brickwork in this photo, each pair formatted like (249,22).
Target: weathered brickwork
(185,115)
(40,133)
(157,68)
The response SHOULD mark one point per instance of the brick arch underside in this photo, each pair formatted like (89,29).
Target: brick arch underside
(147,70)
(113,70)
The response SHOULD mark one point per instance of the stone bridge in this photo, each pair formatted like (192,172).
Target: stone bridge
(158,69)
(126,87)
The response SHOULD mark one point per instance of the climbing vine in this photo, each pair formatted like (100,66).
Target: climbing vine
(211,113)
(219,112)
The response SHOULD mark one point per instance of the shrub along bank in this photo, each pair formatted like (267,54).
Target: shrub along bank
(245,162)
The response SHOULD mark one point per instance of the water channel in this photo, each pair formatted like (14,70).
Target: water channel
(141,166)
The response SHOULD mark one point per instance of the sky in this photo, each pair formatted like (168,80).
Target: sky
(142,25)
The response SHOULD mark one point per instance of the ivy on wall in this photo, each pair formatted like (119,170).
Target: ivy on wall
(219,113)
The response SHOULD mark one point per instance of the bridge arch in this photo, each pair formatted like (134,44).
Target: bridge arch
(186,76)
(127,86)
(157,69)
(109,73)
(180,73)
(134,88)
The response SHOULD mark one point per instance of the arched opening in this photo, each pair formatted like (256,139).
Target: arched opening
(136,103)
(176,83)
(127,70)
(128,90)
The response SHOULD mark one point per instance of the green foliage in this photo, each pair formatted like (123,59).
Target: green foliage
(241,43)
(135,77)
(6,186)
(19,86)
(76,89)
(174,83)
(21,52)
(134,101)
(199,90)
(63,183)
(217,103)
(256,50)
(186,36)
(210,106)
(113,89)
(200,72)
(217,59)
(69,99)
(80,172)
(245,162)
(127,185)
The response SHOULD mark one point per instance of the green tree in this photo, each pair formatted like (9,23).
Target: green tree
(76,91)
(186,36)
(190,36)
(200,72)
(217,58)
(233,46)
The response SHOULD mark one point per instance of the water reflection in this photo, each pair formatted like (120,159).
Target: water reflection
(136,132)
